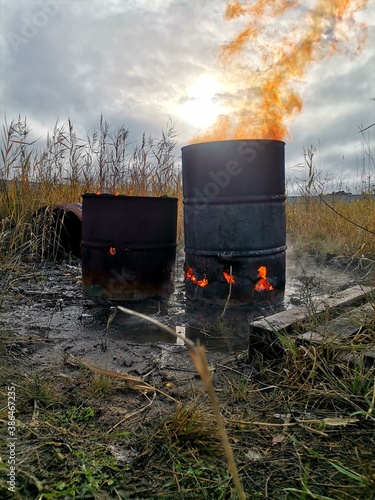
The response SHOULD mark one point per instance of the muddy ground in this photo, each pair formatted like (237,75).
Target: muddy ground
(82,437)
(47,314)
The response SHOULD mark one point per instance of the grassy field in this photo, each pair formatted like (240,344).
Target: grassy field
(300,425)
(300,420)
(65,167)
(333,228)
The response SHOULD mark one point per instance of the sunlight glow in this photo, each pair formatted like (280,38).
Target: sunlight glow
(201,108)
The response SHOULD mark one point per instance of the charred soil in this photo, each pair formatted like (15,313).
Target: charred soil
(108,406)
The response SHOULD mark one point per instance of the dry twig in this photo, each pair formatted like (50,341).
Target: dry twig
(198,355)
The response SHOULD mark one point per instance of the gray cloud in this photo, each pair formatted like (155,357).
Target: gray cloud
(135,60)
(336,105)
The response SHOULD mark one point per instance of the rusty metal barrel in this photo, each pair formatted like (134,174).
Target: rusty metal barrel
(234,221)
(128,246)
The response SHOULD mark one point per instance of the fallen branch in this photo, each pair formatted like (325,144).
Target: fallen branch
(131,381)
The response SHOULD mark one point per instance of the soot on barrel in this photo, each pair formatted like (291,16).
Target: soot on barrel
(128,246)
(234,221)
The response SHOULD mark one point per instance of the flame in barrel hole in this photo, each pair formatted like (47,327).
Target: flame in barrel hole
(263,283)
(229,277)
(189,274)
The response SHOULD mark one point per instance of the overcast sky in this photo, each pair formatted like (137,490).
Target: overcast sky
(140,62)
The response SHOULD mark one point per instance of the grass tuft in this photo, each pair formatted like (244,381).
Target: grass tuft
(190,429)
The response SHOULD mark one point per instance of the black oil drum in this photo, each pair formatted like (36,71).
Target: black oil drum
(128,246)
(234,221)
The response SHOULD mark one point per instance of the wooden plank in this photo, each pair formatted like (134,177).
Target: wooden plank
(363,358)
(340,328)
(286,320)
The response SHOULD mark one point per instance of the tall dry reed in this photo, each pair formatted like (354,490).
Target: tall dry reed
(33,175)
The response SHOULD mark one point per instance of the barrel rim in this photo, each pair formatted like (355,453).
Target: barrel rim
(109,196)
(233,141)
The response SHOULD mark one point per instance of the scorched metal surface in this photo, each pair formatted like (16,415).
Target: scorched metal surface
(128,246)
(234,221)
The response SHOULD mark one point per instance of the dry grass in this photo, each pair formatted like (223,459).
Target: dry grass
(34,175)
(324,225)
(300,426)
(319,230)
(66,166)
(319,409)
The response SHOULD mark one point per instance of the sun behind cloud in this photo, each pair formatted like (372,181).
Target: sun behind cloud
(200,107)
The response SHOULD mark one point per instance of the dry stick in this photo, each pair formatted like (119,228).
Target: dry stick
(287,424)
(117,493)
(198,355)
(229,293)
(130,415)
(35,480)
(34,418)
(19,423)
(132,382)
(111,317)
(369,411)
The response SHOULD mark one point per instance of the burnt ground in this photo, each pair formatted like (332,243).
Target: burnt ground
(45,318)
(46,313)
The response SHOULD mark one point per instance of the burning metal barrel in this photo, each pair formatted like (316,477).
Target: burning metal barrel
(234,221)
(128,246)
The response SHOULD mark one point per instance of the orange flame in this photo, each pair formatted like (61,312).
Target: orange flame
(228,277)
(189,274)
(262,283)
(266,62)
(112,251)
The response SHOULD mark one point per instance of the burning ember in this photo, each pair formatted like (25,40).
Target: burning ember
(262,283)
(189,274)
(228,277)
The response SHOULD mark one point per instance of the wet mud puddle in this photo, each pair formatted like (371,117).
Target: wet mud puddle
(45,316)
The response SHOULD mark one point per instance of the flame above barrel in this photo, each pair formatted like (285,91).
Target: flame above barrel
(264,65)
